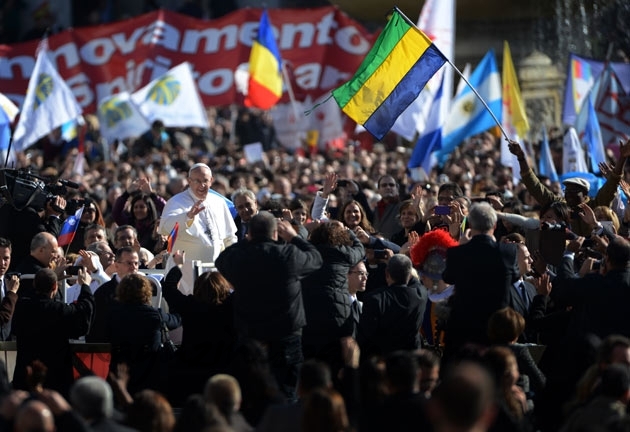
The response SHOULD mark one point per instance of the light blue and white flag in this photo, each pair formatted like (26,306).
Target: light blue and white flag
(546,166)
(468,116)
(173,98)
(593,138)
(49,103)
(573,160)
(431,140)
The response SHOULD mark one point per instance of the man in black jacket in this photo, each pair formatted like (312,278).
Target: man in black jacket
(43,326)
(127,262)
(392,316)
(268,293)
(483,272)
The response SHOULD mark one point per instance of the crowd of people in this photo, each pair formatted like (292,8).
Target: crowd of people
(342,295)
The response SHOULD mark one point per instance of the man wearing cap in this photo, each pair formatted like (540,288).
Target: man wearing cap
(206,226)
(576,189)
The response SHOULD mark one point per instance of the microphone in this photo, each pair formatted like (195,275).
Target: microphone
(69,183)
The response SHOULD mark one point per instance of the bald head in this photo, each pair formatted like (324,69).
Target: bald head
(34,416)
(44,248)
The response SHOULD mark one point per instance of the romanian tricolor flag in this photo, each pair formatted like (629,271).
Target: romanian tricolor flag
(170,241)
(265,69)
(391,76)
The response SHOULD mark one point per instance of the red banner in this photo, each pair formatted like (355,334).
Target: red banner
(322,48)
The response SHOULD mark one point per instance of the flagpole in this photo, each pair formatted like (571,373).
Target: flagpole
(285,74)
(494,117)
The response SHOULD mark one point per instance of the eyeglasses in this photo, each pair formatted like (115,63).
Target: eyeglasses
(360,273)
(203,182)
(129,263)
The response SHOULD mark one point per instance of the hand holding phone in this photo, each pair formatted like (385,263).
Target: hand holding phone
(73,270)
(442,210)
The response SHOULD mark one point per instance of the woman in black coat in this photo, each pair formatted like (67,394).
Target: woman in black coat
(208,319)
(135,334)
(326,298)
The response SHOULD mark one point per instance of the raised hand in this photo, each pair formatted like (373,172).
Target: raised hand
(605,168)
(197,208)
(588,215)
(330,184)
(543,284)
(516,149)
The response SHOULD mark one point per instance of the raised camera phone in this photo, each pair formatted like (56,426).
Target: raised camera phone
(380,254)
(73,270)
(442,210)
(277,213)
(342,183)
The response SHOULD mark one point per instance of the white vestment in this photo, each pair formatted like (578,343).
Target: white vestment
(203,239)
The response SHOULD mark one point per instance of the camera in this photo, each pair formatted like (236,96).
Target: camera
(277,213)
(74,204)
(442,210)
(553,226)
(73,270)
(9,275)
(22,188)
(380,254)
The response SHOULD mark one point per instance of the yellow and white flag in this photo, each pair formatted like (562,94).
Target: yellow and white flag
(48,104)
(173,98)
(120,118)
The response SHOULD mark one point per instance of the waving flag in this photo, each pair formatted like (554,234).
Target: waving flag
(172,237)
(392,75)
(49,103)
(437,21)
(431,140)
(228,202)
(593,138)
(514,116)
(121,118)
(69,228)
(265,68)
(468,116)
(573,154)
(546,166)
(583,75)
(612,108)
(172,98)
(8,112)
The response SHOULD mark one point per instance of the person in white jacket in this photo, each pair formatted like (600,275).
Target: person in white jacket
(206,226)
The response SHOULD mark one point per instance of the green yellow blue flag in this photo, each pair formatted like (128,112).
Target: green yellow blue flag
(391,76)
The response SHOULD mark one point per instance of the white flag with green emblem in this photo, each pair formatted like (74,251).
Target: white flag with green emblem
(173,98)
(120,118)
(48,104)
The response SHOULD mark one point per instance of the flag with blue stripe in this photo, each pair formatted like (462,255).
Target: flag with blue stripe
(431,140)
(468,116)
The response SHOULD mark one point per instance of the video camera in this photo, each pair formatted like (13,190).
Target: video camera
(21,188)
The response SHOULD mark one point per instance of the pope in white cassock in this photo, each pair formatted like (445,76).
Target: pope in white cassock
(206,226)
